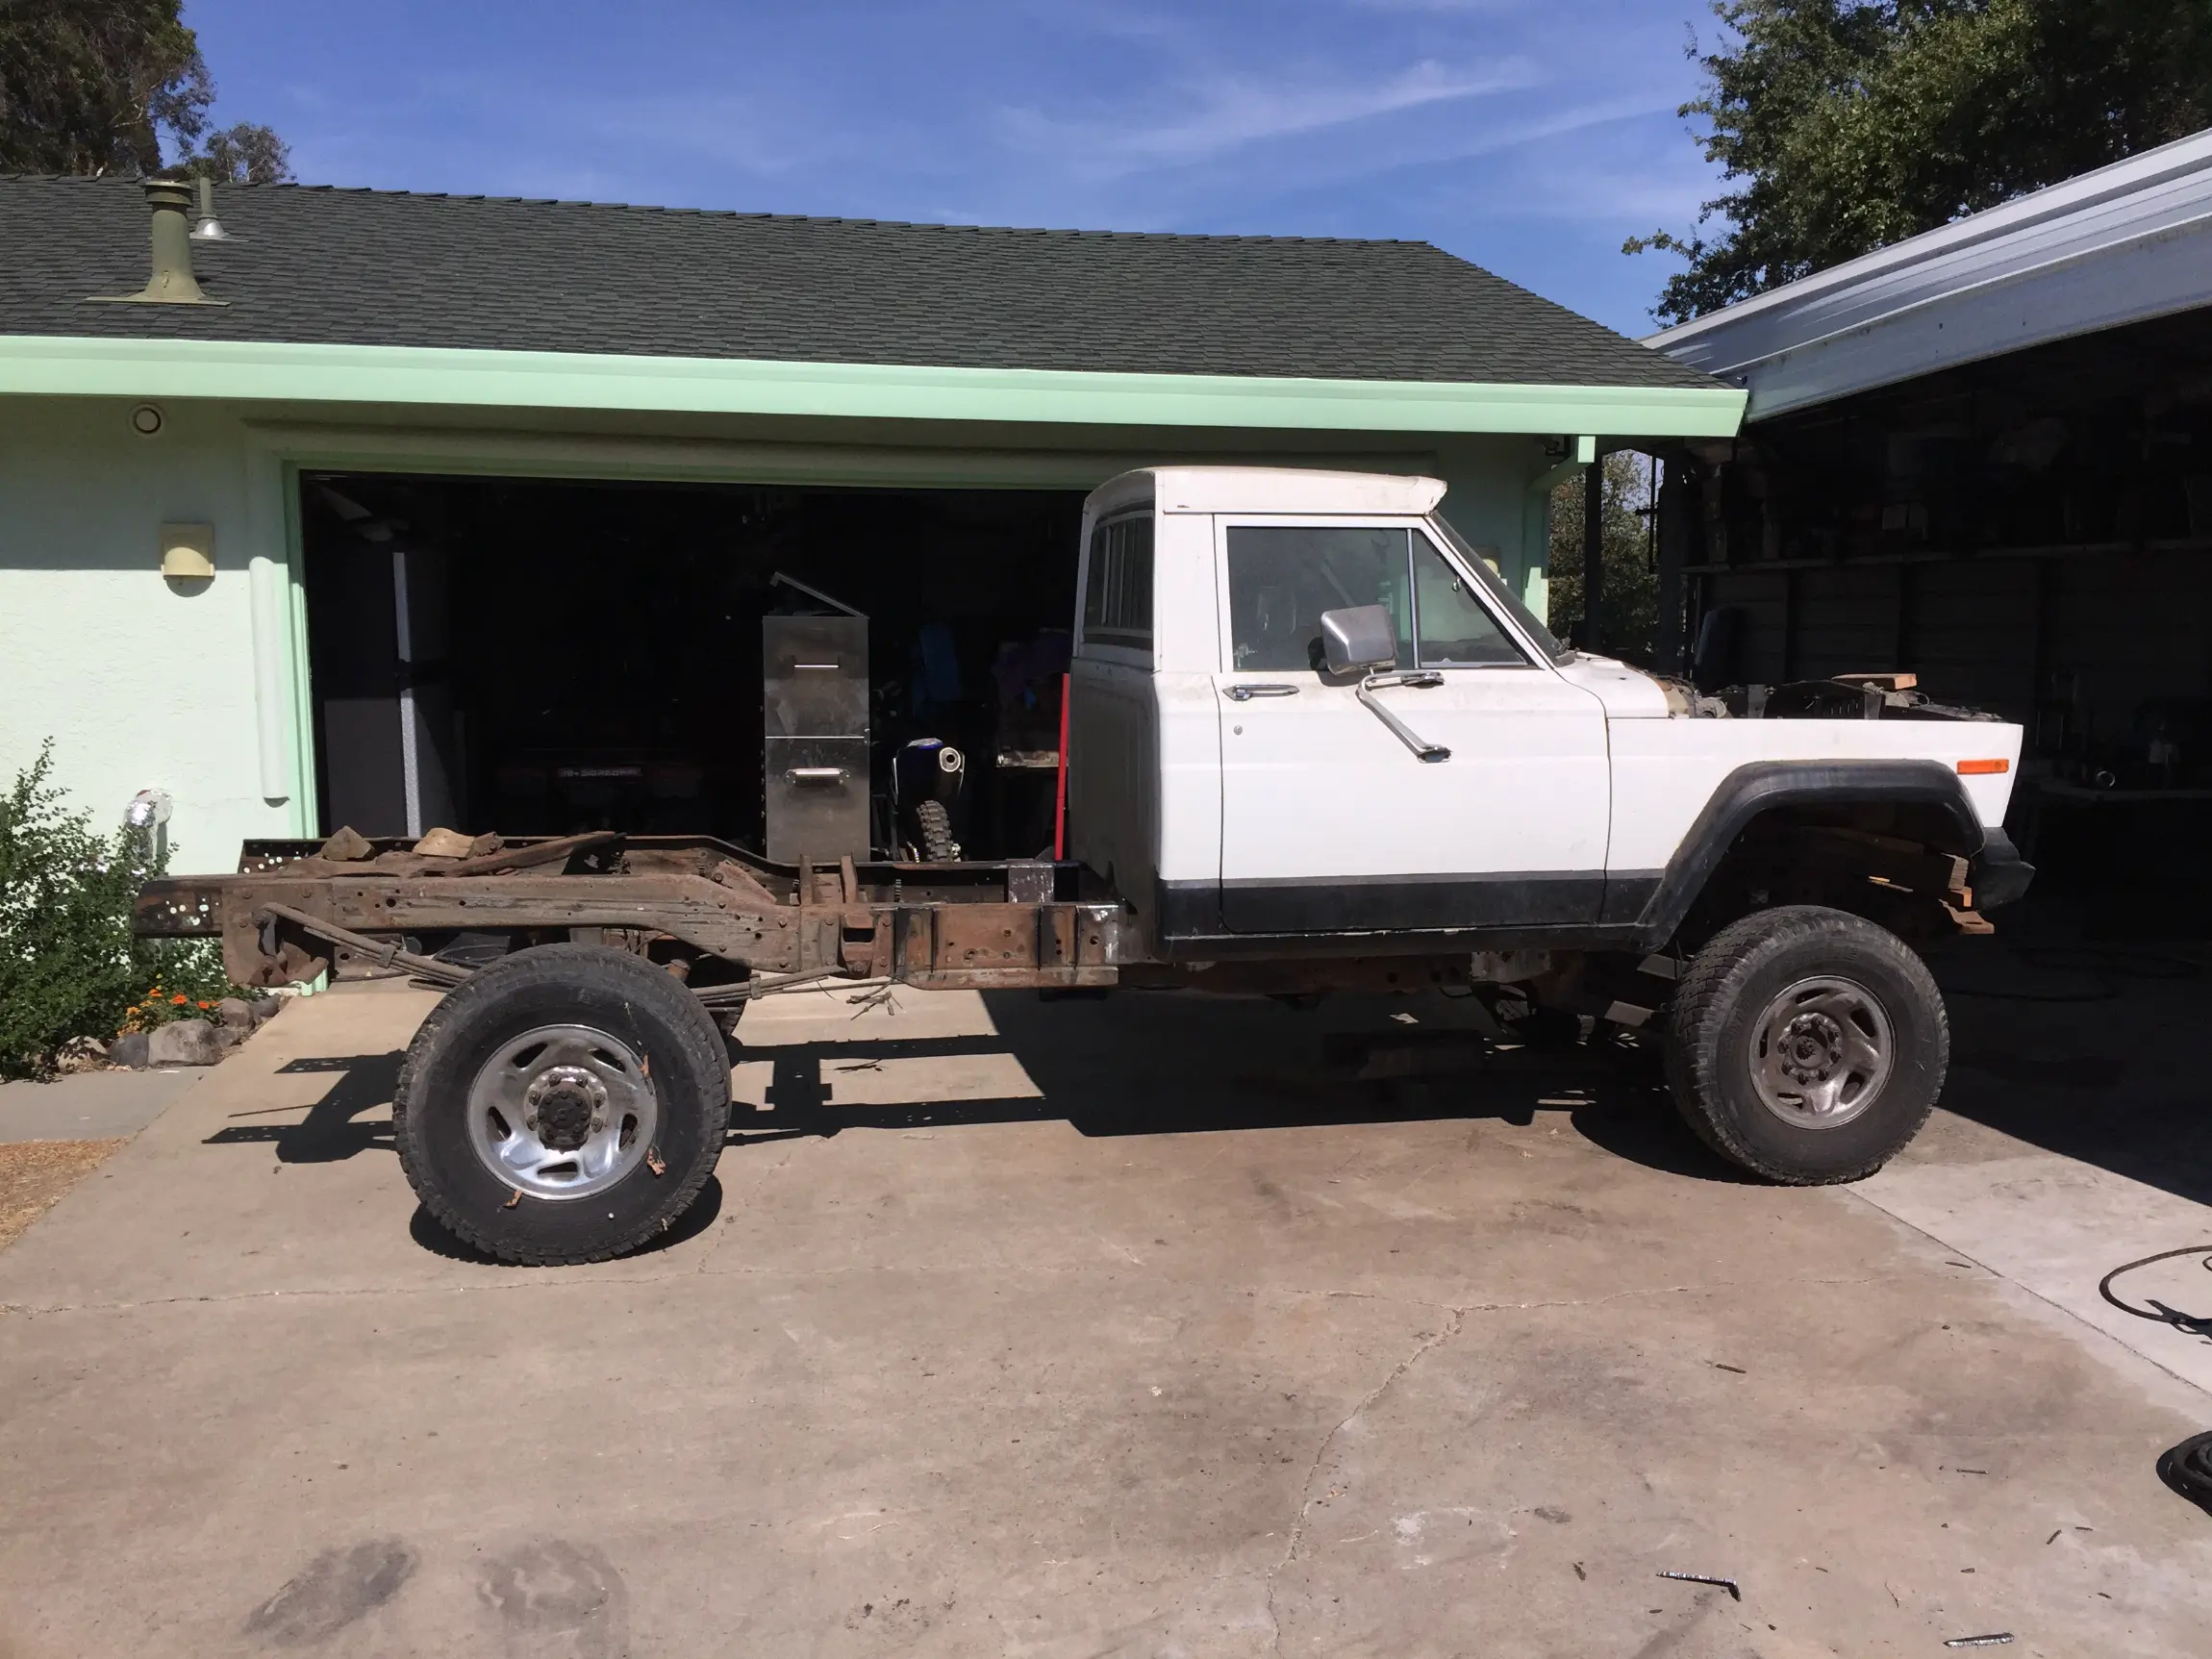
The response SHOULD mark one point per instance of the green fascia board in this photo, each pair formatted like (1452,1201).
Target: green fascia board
(68,365)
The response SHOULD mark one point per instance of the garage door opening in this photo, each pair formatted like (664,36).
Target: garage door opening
(541,657)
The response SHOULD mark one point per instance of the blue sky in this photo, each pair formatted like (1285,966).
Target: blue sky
(1528,136)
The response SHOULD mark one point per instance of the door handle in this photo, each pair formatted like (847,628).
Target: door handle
(1246,694)
(815,774)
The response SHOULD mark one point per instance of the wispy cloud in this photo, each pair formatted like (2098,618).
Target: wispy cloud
(1232,113)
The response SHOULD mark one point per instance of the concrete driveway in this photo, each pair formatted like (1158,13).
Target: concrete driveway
(1141,1327)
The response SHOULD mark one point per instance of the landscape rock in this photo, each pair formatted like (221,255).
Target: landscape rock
(266,1008)
(231,1036)
(80,1054)
(129,1049)
(183,1043)
(237,1013)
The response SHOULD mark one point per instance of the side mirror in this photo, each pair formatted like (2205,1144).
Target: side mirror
(1359,638)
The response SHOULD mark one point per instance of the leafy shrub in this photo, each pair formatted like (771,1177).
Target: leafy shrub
(68,964)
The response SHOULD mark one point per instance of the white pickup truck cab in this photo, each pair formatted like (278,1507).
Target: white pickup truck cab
(1309,726)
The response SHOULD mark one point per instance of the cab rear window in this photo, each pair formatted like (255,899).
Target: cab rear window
(1117,597)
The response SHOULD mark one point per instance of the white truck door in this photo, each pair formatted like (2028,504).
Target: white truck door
(1330,821)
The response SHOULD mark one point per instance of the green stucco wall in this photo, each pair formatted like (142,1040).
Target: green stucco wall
(143,683)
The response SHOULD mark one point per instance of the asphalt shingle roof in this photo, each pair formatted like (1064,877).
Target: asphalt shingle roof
(377,268)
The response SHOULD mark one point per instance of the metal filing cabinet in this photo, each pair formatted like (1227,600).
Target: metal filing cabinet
(814,700)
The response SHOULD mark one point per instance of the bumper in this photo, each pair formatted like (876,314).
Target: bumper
(2000,875)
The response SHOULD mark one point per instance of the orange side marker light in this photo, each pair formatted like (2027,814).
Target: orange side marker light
(1983,769)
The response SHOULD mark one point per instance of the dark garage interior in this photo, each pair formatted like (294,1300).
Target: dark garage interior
(542,657)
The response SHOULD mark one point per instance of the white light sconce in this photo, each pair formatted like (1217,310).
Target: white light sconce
(149,814)
(189,552)
(149,810)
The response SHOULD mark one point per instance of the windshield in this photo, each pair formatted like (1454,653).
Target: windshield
(1540,636)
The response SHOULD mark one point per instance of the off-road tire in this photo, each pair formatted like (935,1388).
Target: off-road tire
(611,990)
(934,824)
(1730,984)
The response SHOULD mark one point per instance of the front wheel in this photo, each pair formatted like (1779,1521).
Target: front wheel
(565,1104)
(1806,1044)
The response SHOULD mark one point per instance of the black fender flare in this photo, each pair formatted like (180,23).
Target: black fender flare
(1763,786)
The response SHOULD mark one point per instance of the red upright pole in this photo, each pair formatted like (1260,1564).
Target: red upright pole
(1060,790)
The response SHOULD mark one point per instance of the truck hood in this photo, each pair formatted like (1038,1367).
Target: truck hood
(1627,694)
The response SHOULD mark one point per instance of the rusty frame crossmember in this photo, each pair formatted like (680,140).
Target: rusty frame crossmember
(295,911)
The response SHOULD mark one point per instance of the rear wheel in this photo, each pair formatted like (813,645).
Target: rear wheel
(565,1104)
(1806,1044)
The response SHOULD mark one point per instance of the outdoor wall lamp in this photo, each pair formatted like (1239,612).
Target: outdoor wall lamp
(188,551)
(150,814)
(149,808)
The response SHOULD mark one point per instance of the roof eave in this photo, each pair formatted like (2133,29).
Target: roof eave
(76,365)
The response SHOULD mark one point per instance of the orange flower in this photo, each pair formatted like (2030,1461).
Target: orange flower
(133,1009)
(207,1005)
(180,998)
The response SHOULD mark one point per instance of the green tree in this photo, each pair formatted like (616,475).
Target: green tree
(1845,125)
(93,86)
(1628,602)
(243,154)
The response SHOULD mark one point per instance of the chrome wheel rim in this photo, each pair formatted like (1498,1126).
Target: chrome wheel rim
(562,1112)
(1821,1052)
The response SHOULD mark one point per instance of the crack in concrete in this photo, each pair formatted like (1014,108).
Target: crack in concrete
(1427,1345)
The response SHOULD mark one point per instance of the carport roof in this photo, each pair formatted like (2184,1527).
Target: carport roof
(387,298)
(2112,247)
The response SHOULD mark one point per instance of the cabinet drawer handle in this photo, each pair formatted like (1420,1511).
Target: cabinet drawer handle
(817,774)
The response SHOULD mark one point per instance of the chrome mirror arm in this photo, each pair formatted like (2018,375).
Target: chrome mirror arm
(1405,734)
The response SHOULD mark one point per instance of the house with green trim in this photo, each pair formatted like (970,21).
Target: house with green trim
(383,477)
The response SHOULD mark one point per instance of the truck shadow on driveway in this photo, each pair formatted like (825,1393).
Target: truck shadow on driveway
(331,1129)
(1349,1082)
(1112,1073)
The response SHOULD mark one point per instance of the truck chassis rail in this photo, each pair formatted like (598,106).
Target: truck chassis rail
(729,925)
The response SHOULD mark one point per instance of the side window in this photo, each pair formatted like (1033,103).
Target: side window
(1118,600)
(1457,630)
(1282,578)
